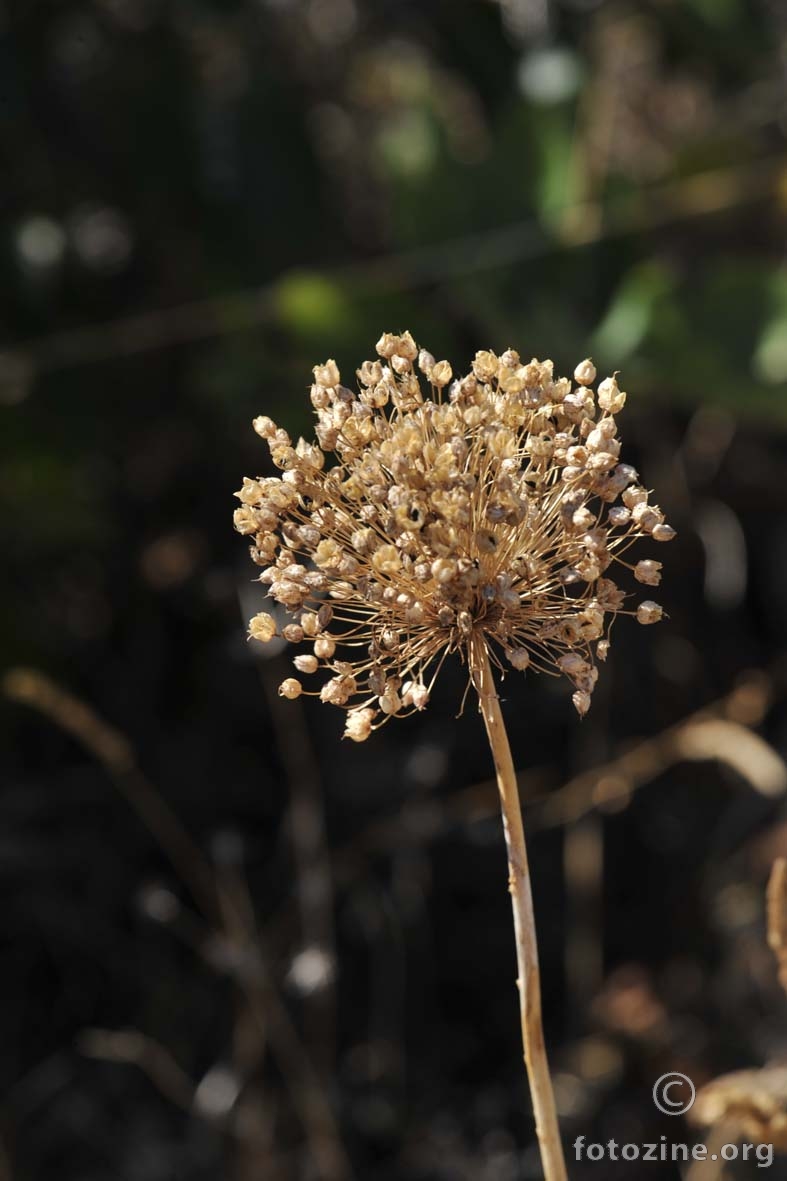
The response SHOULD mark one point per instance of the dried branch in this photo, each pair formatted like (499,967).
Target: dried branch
(236,948)
(777,916)
(156,1061)
(114,752)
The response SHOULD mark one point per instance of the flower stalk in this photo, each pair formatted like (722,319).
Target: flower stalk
(528,982)
(485,516)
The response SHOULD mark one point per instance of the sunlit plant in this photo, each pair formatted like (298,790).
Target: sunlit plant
(487,516)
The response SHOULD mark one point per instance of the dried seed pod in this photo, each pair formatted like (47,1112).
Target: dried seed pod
(585,372)
(439,519)
(649,612)
(262,627)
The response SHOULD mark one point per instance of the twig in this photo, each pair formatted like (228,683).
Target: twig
(524,920)
(113,750)
(689,739)
(700,195)
(583,874)
(135,1048)
(313,876)
(308,1093)
(777,916)
(243,959)
(609,785)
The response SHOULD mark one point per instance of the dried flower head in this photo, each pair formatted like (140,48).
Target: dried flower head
(751,1103)
(494,504)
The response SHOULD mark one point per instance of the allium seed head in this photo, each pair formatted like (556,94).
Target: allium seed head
(422,519)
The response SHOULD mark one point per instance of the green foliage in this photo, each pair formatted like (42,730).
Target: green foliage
(312,306)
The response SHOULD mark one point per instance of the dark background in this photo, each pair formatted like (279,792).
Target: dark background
(199,202)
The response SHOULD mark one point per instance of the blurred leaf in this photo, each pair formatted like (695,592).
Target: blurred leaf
(311,305)
(630,314)
(409,144)
(770,355)
(721,14)
(74,514)
(556,174)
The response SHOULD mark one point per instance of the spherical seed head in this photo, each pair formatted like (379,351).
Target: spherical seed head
(491,504)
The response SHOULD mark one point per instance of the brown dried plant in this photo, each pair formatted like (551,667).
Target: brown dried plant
(483,518)
(776,899)
(752,1104)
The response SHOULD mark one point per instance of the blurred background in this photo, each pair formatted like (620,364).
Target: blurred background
(234,946)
